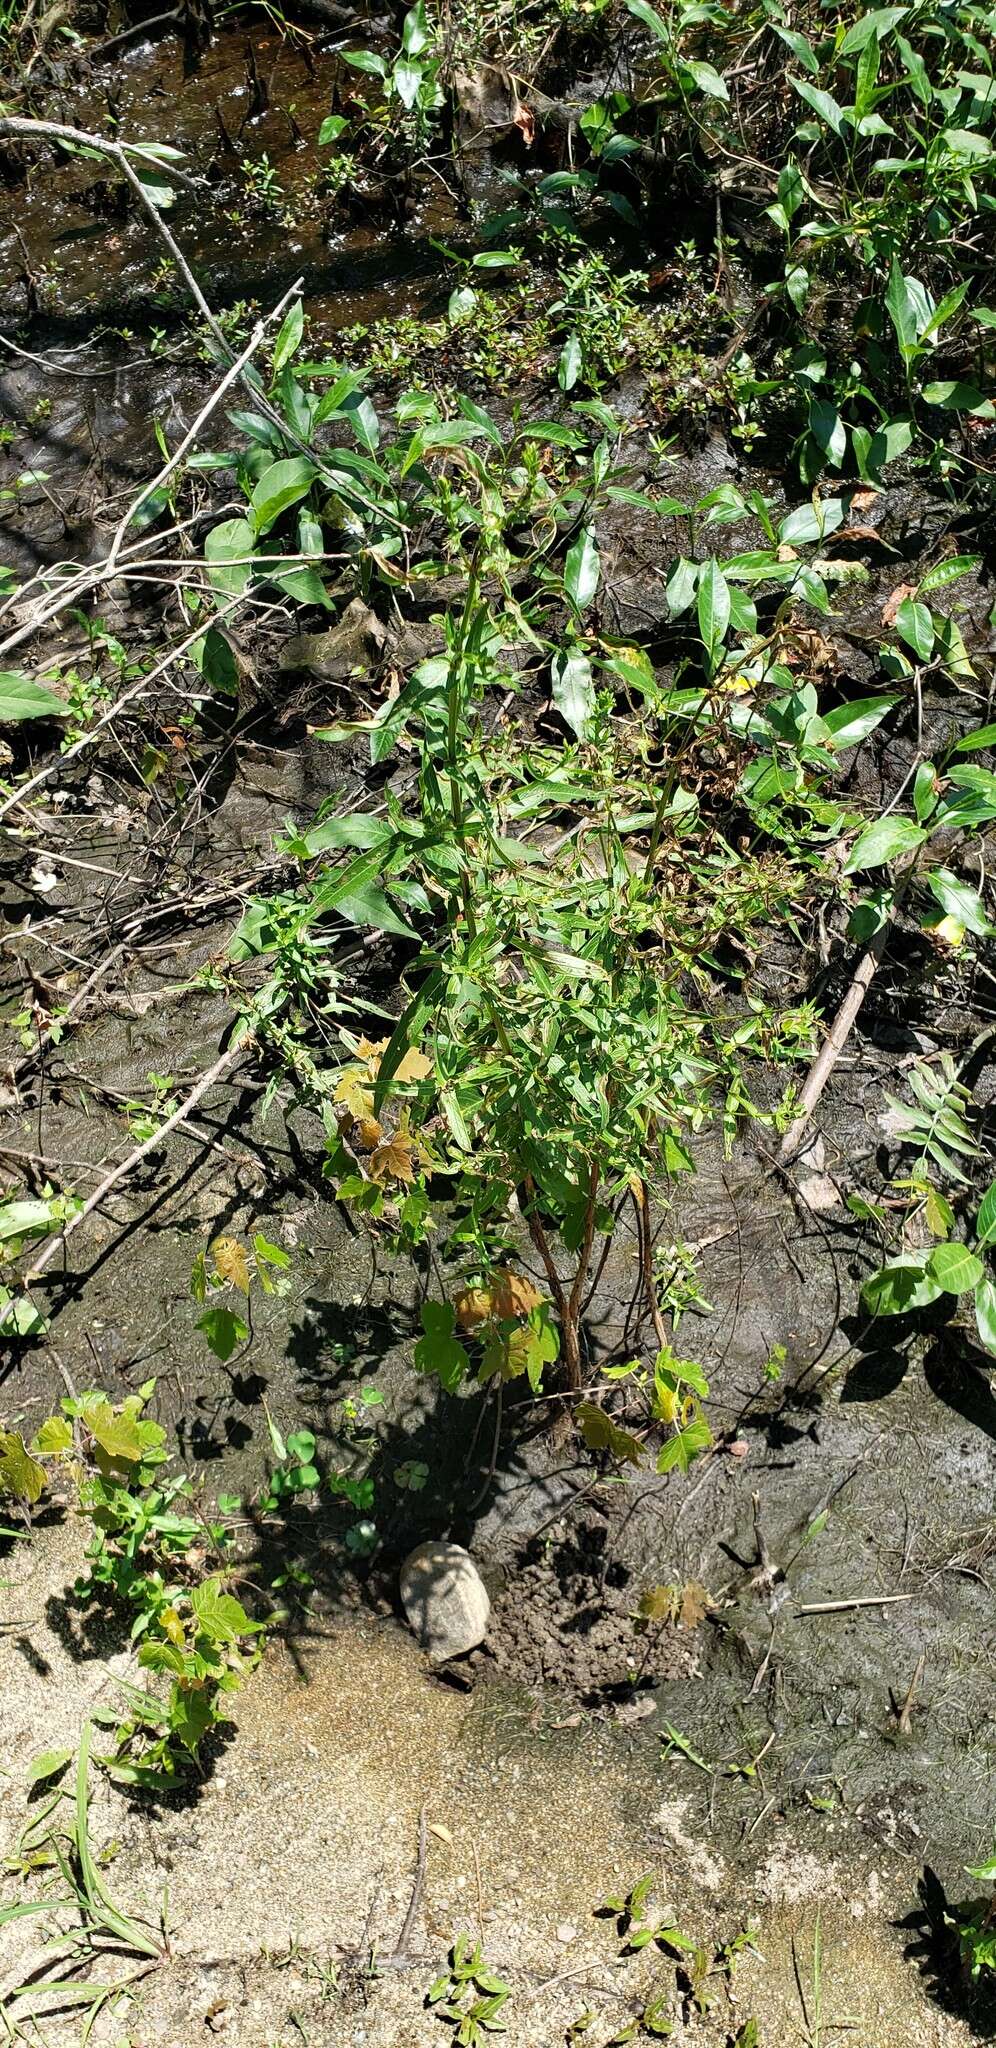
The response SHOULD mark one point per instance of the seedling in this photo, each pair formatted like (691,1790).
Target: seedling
(634,1928)
(469,1995)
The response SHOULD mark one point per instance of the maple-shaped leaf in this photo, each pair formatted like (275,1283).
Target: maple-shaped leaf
(21,1476)
(696,1603)
(366,1133)
(660,1603)
(117,1435)
(371,1052)
(394,1159)
(354,1091)
(414,1066)
(602,1434)
(507,1296)
(231,1262)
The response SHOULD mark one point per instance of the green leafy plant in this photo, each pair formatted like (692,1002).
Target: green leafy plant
(469,1995)
(410,82)
(227,1272)
(976,1925)
(147,1555)
(101,1933)
(25,1221)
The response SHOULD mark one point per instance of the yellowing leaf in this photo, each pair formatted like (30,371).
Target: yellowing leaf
(353,1090)
(602,1434)
(949,931)
(54,1436)
(118,1436)
(414,1066)
(231,1262)
(509,1295)
(660,1603)
(21,1476)
(366,1133)
(172,1626)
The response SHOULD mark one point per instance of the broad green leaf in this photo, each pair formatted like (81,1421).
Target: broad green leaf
(406,78)
(371,909)
(882,842)
(915,625)
(909,307)
(852,722)
(20,697)
(31,1217)
(950,571)
(54,1437)
(282,484)
(48,1765)
(901,1286)
(822,103)
(713,606)
(985,1222)
(879,23)
(955,1269)
(415,31)
(438,1350)
(213,658)
(828,431)
(573,689)
(684,1447)
(642,12)
(959,900)
(569,365)
(811,522)
(958,397)
(19,1317)
(582,569)
(231,542)
(985,1314)
(288,341)
(365,60)
(224,1331)
(220,1615)
(706,78)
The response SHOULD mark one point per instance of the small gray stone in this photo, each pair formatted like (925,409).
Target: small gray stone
(445,1599)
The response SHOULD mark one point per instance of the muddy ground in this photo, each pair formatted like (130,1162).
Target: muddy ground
(835,1768)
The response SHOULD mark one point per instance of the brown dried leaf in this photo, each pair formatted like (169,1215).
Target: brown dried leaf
(231,1262)
(525,121)
(510,1294)
(696,1603)
(366,1133)
(394,1159)
(895,599)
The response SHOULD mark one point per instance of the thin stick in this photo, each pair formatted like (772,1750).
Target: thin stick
(842,1606)
(417,1888)
(843,1024)
(13,124)
(25,789)
(234,371)
(126,1166)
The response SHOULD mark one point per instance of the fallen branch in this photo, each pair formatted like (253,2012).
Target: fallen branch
(843,1024)
(117,153)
